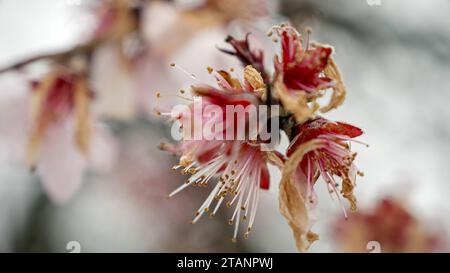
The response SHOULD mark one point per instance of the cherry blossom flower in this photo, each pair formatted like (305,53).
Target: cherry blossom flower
(240,165)
(319,147)
(302,69)
(303,74)
(57,136)
(59,94)
(334,159)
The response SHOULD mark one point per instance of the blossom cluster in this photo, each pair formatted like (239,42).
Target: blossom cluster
(289,84)
(304,71)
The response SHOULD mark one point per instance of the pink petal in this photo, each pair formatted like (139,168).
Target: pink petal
(61,165)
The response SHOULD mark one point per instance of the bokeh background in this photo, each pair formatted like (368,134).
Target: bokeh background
(395,60)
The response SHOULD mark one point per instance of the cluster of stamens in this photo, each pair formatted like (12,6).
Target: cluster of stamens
(335,159)
(238,183)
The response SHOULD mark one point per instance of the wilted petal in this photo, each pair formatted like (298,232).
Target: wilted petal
(333,161)
(294,103)
(253,78)
(83,128)
(339,92)
(294,204)
(40,118)
(276,159)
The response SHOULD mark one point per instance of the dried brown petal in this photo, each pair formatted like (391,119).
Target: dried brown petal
(295,103)
(293,202)
(235,83)
(83,129)
(347,192)
(254,78)
(275,160)
(39,118)
(339,92)
(311,237)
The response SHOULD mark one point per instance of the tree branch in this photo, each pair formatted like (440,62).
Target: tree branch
(58,56)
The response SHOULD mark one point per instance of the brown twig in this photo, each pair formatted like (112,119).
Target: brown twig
(58,56)
(123,27)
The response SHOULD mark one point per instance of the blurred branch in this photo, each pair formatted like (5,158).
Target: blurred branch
(126,22)
(62,56)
